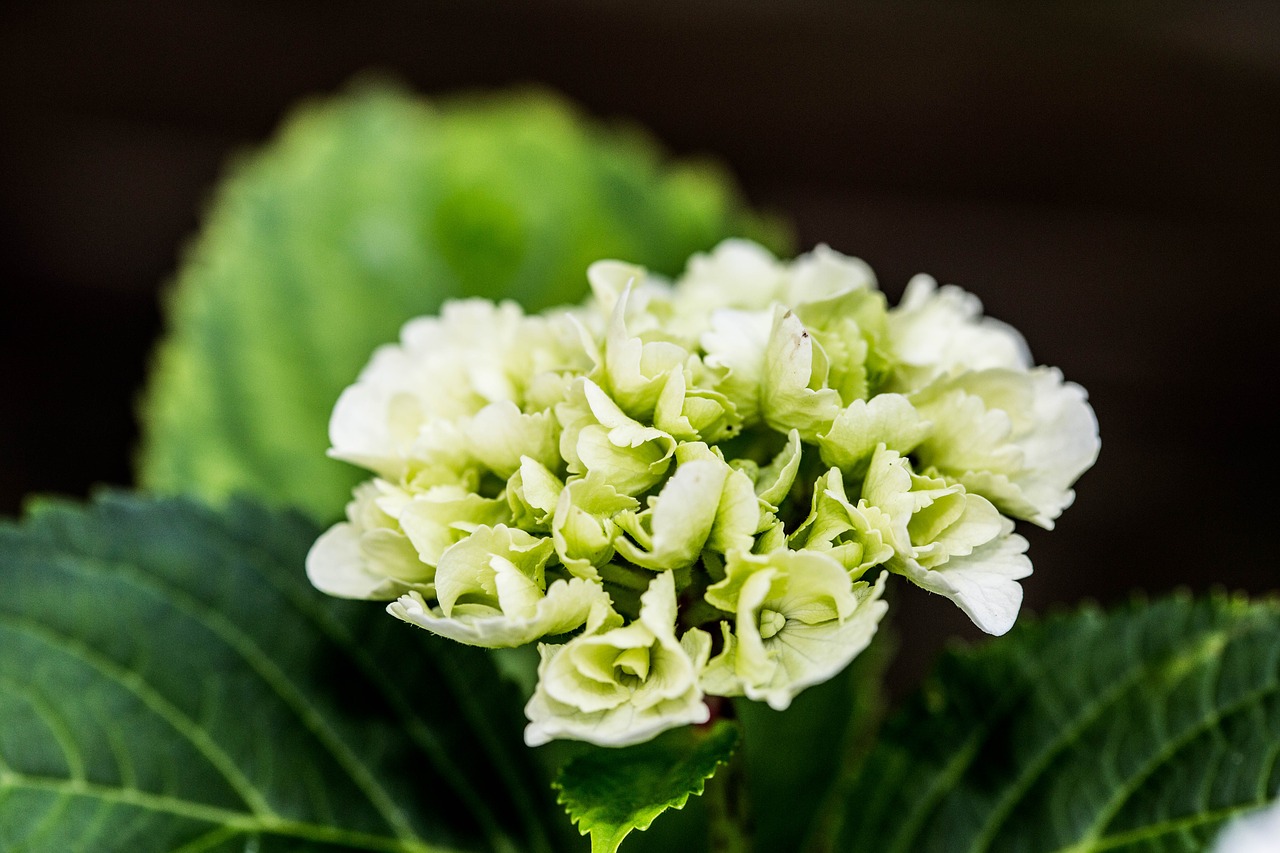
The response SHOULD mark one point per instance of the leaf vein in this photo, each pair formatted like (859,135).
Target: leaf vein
(152,699)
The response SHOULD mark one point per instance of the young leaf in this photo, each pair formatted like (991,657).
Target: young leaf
(1144,729)
(368,210)
(169,681)
(610,792)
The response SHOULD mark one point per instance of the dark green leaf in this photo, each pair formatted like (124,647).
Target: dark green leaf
(1139,730)
(610,792)
(169,681)
(368,210)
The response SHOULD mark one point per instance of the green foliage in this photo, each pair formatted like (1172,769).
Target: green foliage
(795,758)
(610,792)
(169,681)
(370,209)
(1139,730)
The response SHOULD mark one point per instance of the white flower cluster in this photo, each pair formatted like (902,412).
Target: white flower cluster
(701,487)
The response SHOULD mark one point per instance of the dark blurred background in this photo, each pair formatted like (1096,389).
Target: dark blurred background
(1106,177)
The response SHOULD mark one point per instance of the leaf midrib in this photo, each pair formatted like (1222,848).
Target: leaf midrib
(137,686)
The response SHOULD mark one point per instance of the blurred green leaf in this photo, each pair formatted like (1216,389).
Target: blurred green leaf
(1144,729)
(369,209)
(170,681)
(610,792)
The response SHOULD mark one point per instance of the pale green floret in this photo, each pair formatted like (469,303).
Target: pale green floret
(368,556)
(947,540)
(798,619)
(926,519)
(636,370)
(850,327)
(772,538)
(650,299)
(623,685)
(888,419)
(471,574)
(1018,438)
(442,515)
(773,482)
(983,584)
(598,436)
(691,413)
(793,385)
(491,591)
(705,504)
(839,528)
(672,531)
(583,527)
(500,435)
(532,495)
(740,514)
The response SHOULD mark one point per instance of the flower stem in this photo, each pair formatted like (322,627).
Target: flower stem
(729,819)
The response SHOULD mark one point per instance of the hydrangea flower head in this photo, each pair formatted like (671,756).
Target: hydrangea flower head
(698,488)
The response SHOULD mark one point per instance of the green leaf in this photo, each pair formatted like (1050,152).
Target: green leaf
(367,210)
(169,681)
(610,792)
(1144,729)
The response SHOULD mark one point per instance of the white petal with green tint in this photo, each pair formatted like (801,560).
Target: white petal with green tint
(469,576)
(735,345)
(671,533)
(935,331)
(624,685)
(500,435)
(598,436)
(583,528)
(445,367)
(947,540)
(435,519)
(887,419)
(526,614)
(704,504)
(1019,438)
(797,621)
(851,534)
(851,327)
(824,273)
(773,482)
(736,274)
(635,370)
(984,583)
(532,494)
(368,556)
(689,412)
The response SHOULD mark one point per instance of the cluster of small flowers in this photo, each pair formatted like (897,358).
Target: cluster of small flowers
(697,488)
